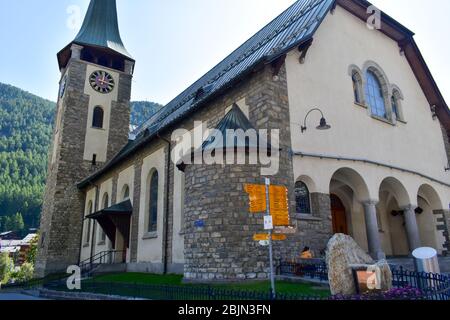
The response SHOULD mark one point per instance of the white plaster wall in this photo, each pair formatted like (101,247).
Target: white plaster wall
(324,82)
(86,246)
(105,187)
(96,141)
(126,177)
(150,248)
(178,213)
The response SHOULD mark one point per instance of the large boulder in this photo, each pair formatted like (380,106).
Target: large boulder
(342,252)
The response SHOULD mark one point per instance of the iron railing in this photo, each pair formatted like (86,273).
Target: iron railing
(431,286)
(313,269)
(105,257)
(177,292)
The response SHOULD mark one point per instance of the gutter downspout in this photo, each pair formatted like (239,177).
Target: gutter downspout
(166,209)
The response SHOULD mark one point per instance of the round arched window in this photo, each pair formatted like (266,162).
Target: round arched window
(302,200)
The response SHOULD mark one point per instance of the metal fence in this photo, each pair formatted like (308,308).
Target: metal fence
(178,292)
(429,286)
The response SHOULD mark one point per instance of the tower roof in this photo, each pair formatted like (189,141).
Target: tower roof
(100,30)
(100,27)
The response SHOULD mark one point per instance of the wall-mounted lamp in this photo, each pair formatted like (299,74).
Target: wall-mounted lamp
(323,122)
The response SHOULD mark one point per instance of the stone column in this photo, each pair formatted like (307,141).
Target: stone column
(412,230)
(372,229)
(76,51)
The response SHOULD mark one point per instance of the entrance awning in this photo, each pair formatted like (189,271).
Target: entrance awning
(116,217)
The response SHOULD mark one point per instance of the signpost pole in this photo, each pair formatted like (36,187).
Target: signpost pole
(272,275)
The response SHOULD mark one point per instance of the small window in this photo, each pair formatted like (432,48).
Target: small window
(397,105)
(126,193)
(374,95)
(153,203)
(97,120)
(302,200)
(357,87)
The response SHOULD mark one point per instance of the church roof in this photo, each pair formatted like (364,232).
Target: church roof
(292,28)
(100,27)
(233,120)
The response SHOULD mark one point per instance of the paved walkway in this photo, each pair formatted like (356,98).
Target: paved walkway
(12,296)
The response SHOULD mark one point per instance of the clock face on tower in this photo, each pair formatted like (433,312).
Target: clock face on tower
(101,81)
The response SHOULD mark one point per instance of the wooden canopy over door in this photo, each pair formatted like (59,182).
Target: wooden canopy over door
(339,215)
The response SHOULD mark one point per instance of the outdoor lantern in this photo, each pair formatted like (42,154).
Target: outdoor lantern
(323,122)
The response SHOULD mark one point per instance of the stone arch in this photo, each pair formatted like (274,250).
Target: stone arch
(397,189)
(309,183)
(384,82)
(428,213)
(394,197)
(351,178)
(431,195)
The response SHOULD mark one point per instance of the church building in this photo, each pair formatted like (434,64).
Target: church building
(379,172)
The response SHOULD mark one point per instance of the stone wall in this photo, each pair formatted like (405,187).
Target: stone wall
(443,225)
(63,207)
(225,249)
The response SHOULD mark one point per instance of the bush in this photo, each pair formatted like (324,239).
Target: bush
(25,273)
(6,267)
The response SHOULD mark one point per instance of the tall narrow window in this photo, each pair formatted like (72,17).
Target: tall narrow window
(153,203)
(357,87)
(396,101)
(87,233)
(126,193)
(97,119)
(302,201)
(105,205)
(374,95)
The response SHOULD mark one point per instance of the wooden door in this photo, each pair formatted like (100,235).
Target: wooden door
(338,215)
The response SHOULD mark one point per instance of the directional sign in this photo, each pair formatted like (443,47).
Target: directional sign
(257,195)
(285,230)
(265,237)
(279,206)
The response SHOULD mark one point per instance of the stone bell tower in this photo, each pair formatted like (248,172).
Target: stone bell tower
(92,125)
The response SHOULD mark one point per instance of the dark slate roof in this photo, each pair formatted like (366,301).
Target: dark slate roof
(233,120)
(122,208)
(293,27)
(100,27)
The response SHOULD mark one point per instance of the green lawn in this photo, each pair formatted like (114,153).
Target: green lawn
(176,280)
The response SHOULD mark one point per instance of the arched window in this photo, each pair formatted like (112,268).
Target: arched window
(357,87)
(153,203)
(87,225)
(374,95)
(126,193)
(397,105)
(105,205)
(97,119)
(302,201)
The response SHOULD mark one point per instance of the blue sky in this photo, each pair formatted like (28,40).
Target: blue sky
(176,41)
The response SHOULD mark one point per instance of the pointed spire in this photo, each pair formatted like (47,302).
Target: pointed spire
(100,27)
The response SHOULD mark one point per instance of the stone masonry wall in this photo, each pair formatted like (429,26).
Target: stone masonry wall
(225,249)
(63,207)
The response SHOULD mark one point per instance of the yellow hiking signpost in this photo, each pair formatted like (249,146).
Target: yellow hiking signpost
(279,208)
(273,201)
